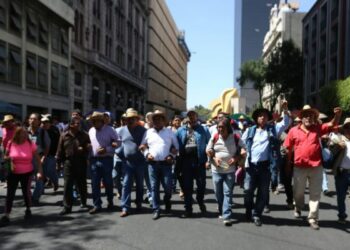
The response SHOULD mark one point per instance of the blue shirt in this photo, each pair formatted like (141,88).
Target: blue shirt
(260,147)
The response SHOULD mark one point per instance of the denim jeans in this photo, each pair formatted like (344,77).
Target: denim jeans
(160,173)
(191,171)
(324,181)
(342,183)
(118,175)
(49,169)
(101,169)
(223,187)
(132,171)
(257,177)
(148,184)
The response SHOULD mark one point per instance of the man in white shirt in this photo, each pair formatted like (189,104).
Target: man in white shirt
(159,146)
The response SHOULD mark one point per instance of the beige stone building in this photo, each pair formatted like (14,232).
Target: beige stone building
(35,56)
(168,56)
(285,24)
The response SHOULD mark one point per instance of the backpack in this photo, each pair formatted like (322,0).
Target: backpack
(236,138)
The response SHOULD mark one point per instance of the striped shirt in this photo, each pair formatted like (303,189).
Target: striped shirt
(103,138)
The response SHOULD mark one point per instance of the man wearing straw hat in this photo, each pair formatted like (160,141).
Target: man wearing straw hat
(159,146)
(134,162)
(104,140)
(304,140)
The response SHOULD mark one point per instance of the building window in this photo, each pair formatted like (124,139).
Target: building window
(63,79)
(15,17)
(81,30)
(94,37)
(43,33)
(129,62)
(32,26)
(130,8)
(42,74)
(98,39)
(108,96)
(31,67)
(3,57)
(77,78)
(64,42)
(137,47)
(3,13)
(55,38)
(76,26)
(15,62)
(54,78)
(129,35)
(95,92)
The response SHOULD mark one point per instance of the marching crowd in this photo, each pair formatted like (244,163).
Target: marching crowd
(270,152)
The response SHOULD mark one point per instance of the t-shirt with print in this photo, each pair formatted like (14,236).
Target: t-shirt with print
(191,145)
(22,156)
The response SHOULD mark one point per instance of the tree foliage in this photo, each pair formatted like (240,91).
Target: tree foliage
(203,113)
(284,73)
(336,94)
(253,71)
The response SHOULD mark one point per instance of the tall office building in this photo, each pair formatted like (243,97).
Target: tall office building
(326,46)
(251,22)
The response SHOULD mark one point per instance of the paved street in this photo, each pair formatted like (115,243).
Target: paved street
(79,230)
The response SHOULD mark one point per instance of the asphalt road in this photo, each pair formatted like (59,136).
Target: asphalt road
(106,230)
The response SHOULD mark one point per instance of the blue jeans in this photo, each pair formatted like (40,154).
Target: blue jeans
(132,171)
(342,183)
(160,173)
(324,181)
(257,177)
(191,171)
(101,169)
(148,184)
(117,175)
(223,187)
(49,169)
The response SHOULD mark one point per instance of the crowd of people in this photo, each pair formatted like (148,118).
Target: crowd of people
(270,153)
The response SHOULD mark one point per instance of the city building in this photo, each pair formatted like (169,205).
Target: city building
(285,24)
(326,46)
(251,22)
(35,56)
(168,56)
(109,55)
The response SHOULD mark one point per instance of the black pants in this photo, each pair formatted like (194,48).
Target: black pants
(286,180)
(74,173)
(12,184)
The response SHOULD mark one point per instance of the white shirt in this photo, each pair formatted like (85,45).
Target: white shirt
(213,130)
(159,143)
(346,160)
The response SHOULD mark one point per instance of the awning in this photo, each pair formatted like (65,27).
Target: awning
(17,9)
(7,108)
(16,57)
(31,62)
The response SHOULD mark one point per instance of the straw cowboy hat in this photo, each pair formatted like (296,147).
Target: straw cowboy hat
(131,113)
(307,108)
(8,118)
(97,116)
(347,122)
(159,113)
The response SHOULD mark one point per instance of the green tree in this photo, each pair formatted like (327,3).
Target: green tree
(253,71)
(284,73)
(203,113)
(336,94)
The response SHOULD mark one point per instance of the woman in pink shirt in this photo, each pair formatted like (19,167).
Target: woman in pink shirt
(20,151)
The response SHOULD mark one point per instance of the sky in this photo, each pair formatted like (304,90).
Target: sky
(209,36)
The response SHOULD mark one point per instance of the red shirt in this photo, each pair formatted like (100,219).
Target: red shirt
(307,148)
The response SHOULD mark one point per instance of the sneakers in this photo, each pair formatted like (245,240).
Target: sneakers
(297,214)
(187,214)
(266,210)
(314,225)
(257,221)
(290,206)
(168,207)
(156,215)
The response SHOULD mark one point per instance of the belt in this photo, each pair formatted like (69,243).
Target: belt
(160,163)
